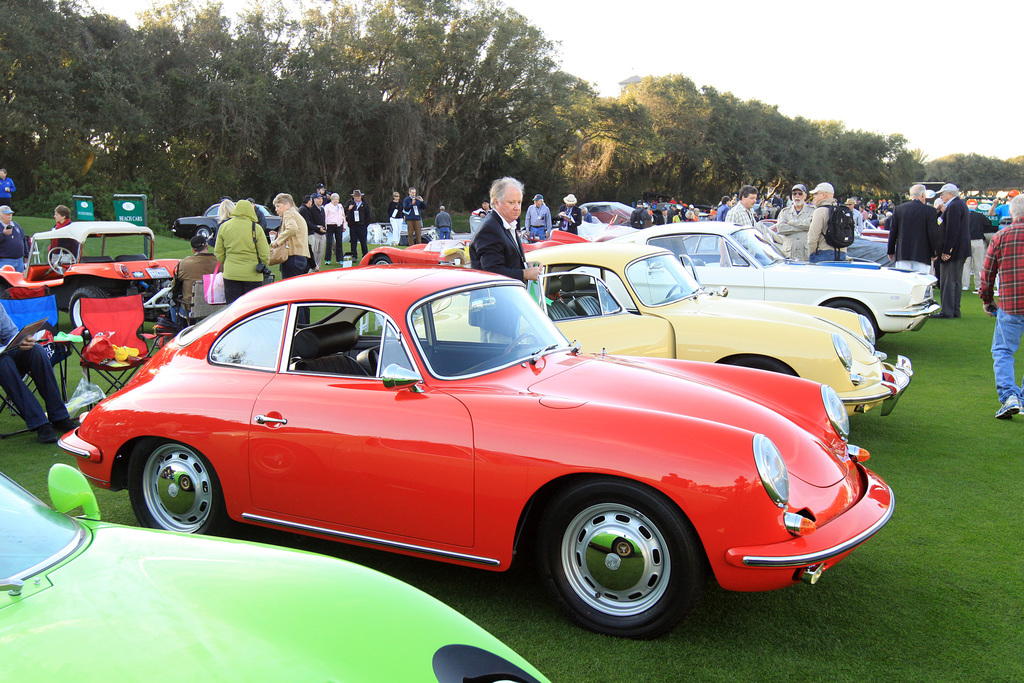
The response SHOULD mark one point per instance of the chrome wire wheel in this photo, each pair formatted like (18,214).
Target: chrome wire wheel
(615,559)
(178,488)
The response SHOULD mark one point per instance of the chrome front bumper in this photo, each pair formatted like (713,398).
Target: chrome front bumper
(920,311)
(895,379)
(900,375)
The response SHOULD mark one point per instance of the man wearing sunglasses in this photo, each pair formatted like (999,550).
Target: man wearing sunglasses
(793,223)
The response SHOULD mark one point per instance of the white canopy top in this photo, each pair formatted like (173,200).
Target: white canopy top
(79,230)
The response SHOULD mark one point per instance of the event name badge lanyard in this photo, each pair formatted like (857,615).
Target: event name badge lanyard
(355,214)
(395,213)
(415,209)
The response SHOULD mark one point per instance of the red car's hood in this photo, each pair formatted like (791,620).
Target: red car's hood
(636,385)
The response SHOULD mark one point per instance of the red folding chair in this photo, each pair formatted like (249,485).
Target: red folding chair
(119,321)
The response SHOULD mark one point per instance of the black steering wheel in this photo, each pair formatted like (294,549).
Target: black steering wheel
(519,340)
(59,258)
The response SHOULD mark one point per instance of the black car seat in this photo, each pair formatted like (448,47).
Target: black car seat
(583,303)
(322,349)
(557,309)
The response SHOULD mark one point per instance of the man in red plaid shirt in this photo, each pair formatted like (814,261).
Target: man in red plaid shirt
(1006,258)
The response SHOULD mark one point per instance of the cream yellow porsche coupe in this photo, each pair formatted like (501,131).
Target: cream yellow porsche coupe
(638,300)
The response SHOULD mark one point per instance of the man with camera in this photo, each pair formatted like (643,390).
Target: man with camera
(413,208)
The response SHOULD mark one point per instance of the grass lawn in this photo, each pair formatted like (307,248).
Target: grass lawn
(938,594)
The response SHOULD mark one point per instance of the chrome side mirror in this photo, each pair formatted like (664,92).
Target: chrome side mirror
(396,377)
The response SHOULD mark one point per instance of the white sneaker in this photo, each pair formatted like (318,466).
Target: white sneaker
(1010,407)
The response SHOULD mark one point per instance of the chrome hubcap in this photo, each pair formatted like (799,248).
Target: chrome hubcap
(615,559)
(178,488)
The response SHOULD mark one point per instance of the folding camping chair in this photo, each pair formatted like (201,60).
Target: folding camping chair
(119,320)
(25,305)
(200,307)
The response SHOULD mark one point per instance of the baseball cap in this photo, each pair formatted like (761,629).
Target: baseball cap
(6,209)
(824,187)
(801,187)
(538,196)
(949,187)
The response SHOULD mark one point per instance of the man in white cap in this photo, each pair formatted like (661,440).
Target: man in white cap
(818,249)
(793,224)
(954,251)
(14,243)
(570,215)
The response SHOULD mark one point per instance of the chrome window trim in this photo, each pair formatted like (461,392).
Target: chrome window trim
(458,290)
(285,359)
(239,323)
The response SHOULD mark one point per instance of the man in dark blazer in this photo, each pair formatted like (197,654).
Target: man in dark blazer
(955,249)
(357,215)
(914,238)
(496,247)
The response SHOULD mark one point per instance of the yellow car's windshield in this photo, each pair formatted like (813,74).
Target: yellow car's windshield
(660,279)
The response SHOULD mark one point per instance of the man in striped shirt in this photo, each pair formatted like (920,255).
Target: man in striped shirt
(1006,258)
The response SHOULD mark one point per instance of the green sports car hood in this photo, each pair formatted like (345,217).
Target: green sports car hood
(141,605)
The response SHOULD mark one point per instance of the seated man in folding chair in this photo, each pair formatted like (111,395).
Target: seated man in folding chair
(190,269)
(30,358)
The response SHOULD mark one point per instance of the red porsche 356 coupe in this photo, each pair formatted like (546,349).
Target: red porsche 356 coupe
(438,412)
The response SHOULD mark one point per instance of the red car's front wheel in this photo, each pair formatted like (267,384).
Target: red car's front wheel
(620,559)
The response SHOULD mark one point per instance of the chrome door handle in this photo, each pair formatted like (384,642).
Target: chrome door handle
(263,419)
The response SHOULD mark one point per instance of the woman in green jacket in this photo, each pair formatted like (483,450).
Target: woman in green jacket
(241,249)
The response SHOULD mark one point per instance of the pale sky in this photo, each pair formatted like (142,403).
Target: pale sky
(886,66)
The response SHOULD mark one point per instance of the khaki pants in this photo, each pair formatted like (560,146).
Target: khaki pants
(414,231)
(317,244)
(974,263)
(794,246)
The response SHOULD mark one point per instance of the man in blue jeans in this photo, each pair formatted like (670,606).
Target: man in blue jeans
(1006,258)
(30,358)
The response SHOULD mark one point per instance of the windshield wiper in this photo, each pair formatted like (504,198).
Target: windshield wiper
(536,355)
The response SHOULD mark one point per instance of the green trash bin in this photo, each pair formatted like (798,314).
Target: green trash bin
(130,208)
(83,207)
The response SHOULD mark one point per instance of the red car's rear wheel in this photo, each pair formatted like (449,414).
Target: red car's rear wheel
(173,487)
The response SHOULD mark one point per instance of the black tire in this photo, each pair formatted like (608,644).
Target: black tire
(645,593)
(379,259)
(763,363)
(858,308)
(84,292)
(203,232)
(173,486)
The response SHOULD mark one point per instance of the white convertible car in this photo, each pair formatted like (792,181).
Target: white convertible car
(740,259)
